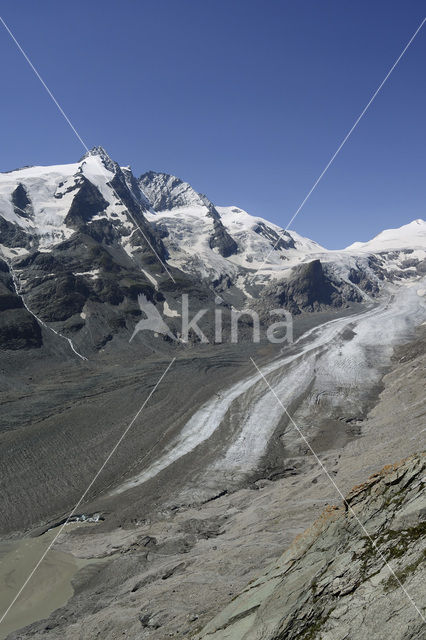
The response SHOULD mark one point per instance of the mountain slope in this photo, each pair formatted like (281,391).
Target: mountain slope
(171,572)
(18,328)
(262,251)
(342,578)
(214,481)
(409,236)
(217,242)
(79,247)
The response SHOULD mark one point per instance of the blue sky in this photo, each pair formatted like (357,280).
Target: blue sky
(245,99)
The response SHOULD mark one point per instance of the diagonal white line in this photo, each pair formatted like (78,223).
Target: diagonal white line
(142,233)
(39,320)
(146,239)
(136,225)
(80,139)
(347,505)
(342,144)
(158,382)
(43,83)
(114,449)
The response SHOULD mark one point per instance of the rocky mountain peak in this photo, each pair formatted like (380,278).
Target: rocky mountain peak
(167,192)
(129,227)
(103,155)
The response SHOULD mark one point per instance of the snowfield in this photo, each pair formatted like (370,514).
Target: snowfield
(409,236)
(51,190)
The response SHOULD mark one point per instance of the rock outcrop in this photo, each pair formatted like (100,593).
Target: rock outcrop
(18,328)
(358,572)
(309,287)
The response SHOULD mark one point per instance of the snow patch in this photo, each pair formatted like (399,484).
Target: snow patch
(150,278)
(13,252)
(94,273)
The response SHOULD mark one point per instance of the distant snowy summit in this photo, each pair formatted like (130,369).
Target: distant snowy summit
(412,235)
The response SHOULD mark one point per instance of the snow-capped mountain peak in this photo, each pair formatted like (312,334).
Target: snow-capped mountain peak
(100,153)
(227,242)
(411,235)
(80,235)
(42,206)
(48,193)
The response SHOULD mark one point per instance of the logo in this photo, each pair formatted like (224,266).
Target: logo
(275,332)
(153,321)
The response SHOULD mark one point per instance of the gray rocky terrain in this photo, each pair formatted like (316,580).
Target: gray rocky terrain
(357,572)
(169,574)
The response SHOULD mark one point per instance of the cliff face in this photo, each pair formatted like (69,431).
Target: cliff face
(358,572)
(310,287)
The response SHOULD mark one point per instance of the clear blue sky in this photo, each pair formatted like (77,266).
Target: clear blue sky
(245,99)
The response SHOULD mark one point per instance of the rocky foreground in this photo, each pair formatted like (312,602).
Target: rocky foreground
(211,571)
(357,573)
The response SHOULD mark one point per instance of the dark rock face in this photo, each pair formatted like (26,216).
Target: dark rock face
(65,295)
(359,277)
(86,204)
(221,240)
(18,328)
(309,288)
(8,297)
(13,236)
(279,241)
(78,271)
(21,201)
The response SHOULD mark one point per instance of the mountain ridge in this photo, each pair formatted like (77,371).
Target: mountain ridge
(86,234)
